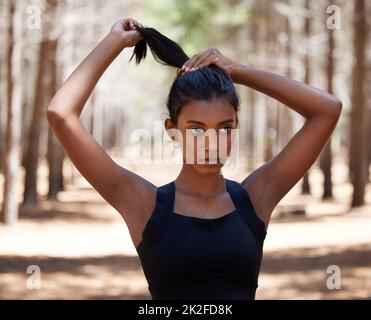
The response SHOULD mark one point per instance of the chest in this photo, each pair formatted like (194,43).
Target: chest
(191,206)
(191,249)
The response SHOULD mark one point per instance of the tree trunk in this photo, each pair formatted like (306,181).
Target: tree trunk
(55,154)
(1,123)
(305,187)
(46,56)
(9,212)
(271,107)
(357,150)
(285,131)
(253,34)
(368,161)
(326,155)
(32,151)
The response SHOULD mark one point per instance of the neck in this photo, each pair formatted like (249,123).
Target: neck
(200,185)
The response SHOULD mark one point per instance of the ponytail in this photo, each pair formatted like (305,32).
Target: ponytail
(164,50)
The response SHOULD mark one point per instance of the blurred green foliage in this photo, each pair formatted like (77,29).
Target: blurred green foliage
(197,24)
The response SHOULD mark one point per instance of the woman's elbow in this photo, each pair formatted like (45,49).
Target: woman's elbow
(334,107)
(52,116)
(55,116)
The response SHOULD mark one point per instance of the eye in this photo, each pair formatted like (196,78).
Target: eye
(196,131)
(226,130)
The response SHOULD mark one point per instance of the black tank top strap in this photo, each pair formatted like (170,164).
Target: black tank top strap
(165,198)
(243,203)
(157,220)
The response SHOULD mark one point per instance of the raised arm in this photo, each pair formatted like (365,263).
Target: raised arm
(268,184)
(117,185)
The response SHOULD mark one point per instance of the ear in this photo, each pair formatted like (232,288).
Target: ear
(170,128)
(236,120)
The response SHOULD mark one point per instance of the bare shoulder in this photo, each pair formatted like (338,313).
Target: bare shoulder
(135,202)
(130,194)
(256,186)
(137,196)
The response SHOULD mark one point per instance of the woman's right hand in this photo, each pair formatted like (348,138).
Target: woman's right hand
(206,57)
(126,28)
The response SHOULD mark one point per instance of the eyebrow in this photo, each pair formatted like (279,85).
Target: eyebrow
(201,123)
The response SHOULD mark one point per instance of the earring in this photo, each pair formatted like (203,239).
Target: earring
(176,144)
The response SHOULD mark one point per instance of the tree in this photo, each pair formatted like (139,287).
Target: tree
(357,150)
(32,155)
(55,153)
(285,130)
(254,37)
(305,187)
(9,213)
(2,111)
(271,106)
(326,155)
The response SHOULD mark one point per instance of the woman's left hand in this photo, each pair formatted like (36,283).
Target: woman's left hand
(206,57)
(126,28)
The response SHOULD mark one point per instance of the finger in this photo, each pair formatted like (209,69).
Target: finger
(203,61)
(212,59)
(138,23)
(191,63)
(207,62)
(127,23)
(202,57)
(197,59)
(186,65)
(132,23)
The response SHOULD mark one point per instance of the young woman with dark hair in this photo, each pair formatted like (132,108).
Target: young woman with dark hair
(200,236)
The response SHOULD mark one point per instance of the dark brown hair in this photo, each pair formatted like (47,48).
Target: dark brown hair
(208,83)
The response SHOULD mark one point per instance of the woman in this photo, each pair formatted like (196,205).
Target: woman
(200,236)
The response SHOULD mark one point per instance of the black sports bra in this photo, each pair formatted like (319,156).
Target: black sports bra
(186,257)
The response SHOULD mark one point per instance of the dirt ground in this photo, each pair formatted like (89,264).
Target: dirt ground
(84,251)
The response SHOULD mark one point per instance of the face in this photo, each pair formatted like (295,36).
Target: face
(205,133)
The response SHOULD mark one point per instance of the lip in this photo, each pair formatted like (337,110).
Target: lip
(214,162)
